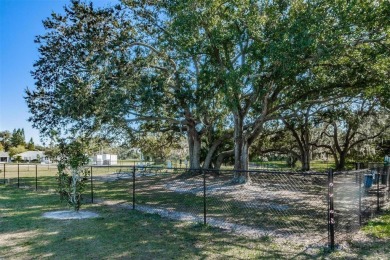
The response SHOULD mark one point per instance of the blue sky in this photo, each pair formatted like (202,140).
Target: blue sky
(20,22)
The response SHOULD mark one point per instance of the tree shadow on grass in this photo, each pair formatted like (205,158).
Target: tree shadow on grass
(120,233)
(117,233)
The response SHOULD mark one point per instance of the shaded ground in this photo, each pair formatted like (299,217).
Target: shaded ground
(284,208)
(118,233)
(123,233)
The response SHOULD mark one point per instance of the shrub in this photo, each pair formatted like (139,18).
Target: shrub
(72,174)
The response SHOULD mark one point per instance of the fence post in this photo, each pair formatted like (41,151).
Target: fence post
(18,176)
(331,210)
(204,197)
(356,174)
(36,177)
(387,172)
(133,187)
(360,199)
(328,202)
(379,179)
(91,186)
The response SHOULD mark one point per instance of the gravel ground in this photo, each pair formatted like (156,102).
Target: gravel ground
(260,195)
(70,214)
(233,228)
(121,176)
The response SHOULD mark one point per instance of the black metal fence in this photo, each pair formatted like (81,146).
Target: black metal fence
(358,196)
(304,207)
(37,176)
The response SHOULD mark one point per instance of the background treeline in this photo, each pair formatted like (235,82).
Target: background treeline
(15,142)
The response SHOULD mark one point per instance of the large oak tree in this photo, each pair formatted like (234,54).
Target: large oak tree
(212,69)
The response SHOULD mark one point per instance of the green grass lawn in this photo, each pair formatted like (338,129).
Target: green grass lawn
(123,233)
(117,233)
(314,165)
(379,227)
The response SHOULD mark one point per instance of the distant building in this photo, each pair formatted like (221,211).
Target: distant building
(4,157)
(32,155)
(105,159)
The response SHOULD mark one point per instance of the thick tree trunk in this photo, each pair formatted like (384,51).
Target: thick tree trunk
(190,147)
(209,156)
(194,144)
(238,141)
(241,147)
(196,153)
(245,156)
(341,162)
(305,159)
(213,149)
(241,151)
(221,157)
(336,159)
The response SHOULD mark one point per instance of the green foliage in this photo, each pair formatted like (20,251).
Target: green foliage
(5,139)
(169,66)
(158,146)
(52,152)
(72,177)
(379,227)
(18,137)
(69,193)
(31,145)
(16,150)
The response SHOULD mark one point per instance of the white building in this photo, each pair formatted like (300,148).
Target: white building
(105,159)
(4,157)
(32,155)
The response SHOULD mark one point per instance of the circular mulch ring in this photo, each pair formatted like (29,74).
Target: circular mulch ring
(70,214)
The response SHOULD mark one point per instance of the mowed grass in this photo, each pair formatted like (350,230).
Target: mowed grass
(117,233)
(315,165)
(123,233)
(379,227)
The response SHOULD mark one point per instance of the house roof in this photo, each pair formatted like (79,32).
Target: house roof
(4,154)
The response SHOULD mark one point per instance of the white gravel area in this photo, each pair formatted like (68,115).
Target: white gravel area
(183,216)
(70,214)
(119,176)
(258,195)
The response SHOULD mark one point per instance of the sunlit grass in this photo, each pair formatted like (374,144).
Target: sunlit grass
(116,233)
(123,233)
(379,227)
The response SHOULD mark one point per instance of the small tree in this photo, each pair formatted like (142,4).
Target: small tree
(72,175)
(18,137)
(30,146)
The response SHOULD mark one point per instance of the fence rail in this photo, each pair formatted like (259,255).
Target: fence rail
(325,207)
